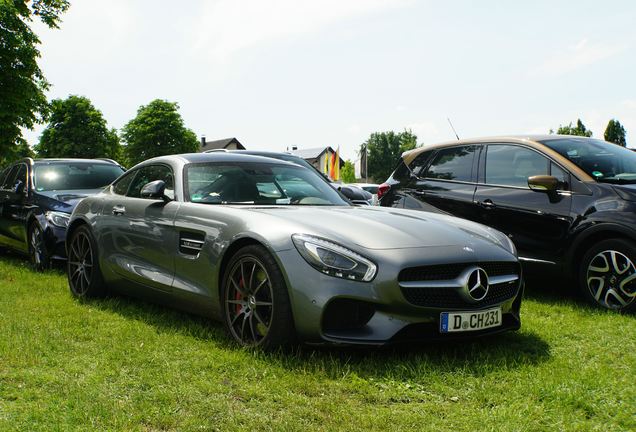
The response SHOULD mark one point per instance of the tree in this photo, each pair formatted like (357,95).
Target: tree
(579,130)
(23,103)
(348,173)
(157,130)
(77,129)
(615,133)
(384,150)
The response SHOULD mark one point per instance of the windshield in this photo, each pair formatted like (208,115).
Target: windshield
(56,176)
(258,183)
(605,162)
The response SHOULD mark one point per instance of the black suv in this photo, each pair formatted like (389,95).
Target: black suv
(37,198)
(568,203)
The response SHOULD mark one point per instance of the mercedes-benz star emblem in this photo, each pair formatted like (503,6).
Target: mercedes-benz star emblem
(477,284)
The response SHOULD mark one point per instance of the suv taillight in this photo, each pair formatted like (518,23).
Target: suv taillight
(383,189)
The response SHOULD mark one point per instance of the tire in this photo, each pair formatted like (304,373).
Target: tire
(38,254)
(607,277)
(256,313)
(84,275)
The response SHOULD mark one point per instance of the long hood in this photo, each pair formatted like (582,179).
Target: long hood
(385,228)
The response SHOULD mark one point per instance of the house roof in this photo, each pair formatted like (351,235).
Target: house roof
(221,144)
(312,153)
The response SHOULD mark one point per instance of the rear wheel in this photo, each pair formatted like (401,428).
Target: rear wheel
(84,276)
(256,307)
(607,276)
(38,254)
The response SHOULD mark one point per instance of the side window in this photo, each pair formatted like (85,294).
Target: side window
(151,173)
(9,181)
(419,163)
(511,165)
(21,177)
(3,175)
(562,176)
(121,186)
(454,163)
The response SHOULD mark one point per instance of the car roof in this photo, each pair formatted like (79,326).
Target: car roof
(218,157)
(74,160)
(533,141)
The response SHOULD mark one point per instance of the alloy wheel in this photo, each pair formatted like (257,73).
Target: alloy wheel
(248,301)
(80,263)
(611,279)
(36,241)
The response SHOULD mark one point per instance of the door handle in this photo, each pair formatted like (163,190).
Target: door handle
(487,204)
(119,210)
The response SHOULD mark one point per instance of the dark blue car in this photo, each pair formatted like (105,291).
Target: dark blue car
(37,198)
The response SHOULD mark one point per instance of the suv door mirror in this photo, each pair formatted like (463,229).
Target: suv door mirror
(155,190)
(543,183)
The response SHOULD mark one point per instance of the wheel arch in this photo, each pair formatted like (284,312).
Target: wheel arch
(239,243)
(591,236)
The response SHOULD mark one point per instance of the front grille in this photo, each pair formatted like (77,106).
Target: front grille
(451,271)
(450,297)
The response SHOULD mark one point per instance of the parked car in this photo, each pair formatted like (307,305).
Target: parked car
(272,250)
(372,188)
(567,202)
(353,194)
(37,198)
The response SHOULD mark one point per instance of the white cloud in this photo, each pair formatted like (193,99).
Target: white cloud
(427,132)
(228,26)
(575,57)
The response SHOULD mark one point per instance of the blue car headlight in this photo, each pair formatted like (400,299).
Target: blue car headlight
(58,219)
(334,260)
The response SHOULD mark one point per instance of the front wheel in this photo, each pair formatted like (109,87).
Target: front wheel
(256,307)
(84,276)
(38,254)
(607,276)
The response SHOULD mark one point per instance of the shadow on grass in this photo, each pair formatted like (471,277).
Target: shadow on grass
(475,357)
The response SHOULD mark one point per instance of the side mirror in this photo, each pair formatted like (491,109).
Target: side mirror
(155,190)
(543,183)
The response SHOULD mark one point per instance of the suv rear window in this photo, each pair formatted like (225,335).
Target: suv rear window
(454,163)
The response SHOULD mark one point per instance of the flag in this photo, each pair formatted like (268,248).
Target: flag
(337,165)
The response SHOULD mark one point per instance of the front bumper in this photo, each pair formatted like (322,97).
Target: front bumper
(377,312)
(55,242)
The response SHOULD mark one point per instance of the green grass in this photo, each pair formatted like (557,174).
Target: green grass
(120,364)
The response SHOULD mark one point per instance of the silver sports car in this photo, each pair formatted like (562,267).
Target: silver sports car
(278,255)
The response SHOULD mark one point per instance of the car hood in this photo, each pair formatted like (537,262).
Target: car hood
(385,228)
(64,200)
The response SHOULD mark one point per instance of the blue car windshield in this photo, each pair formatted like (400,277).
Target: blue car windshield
(258,183)
(605,162)
(54,176)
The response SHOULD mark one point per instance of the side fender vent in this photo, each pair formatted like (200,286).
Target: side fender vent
(191,243)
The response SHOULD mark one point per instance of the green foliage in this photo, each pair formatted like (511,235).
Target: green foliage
(21,81)
(384,151)
(579,129)
(77,129)
(615,133)
(118,364)
(348,172)
(157,130)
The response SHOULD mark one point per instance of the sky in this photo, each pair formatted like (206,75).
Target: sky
(283,73)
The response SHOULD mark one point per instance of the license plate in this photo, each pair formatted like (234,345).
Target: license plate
(469,321)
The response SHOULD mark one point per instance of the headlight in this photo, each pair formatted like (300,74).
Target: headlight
(58,219)
(333,259)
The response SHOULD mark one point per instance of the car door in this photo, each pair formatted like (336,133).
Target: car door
(13,210)
(447,182)
(537,222)
(139,236)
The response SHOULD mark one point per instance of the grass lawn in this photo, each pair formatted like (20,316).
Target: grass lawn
(120,364)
